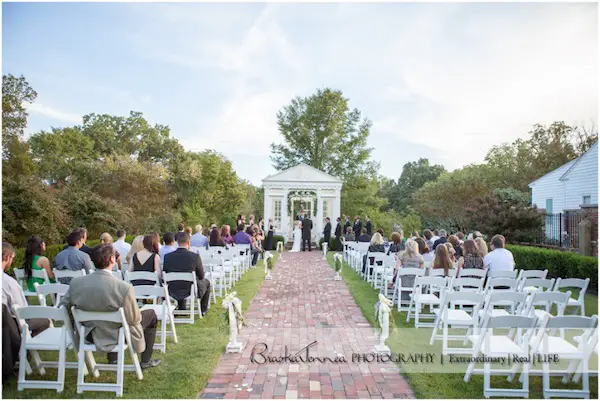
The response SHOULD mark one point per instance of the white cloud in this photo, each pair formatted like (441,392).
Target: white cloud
(55,114)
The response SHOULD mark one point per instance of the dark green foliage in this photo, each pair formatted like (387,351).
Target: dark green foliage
(558,263)
(276,239)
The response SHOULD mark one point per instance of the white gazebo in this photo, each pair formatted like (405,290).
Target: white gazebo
(301,187)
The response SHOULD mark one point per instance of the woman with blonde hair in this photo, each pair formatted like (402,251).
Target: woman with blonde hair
(136,246)
(451,250)
(410,259)
(442,259)
(482,248)
(470,258)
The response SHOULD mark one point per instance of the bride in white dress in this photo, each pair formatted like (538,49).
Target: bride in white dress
(297,237)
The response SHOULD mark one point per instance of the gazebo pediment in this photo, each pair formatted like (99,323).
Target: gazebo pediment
(302,173)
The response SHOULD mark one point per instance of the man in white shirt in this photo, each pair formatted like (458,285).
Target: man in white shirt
(499,258)
(168,247)
(199,240)
(436,236)
(120,245)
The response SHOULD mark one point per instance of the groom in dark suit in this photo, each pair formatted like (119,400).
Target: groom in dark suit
(300,217)
(306,228)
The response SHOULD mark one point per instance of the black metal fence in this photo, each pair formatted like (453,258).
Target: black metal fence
(561,229)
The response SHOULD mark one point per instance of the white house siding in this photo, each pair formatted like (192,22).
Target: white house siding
(550,187)
(582,180)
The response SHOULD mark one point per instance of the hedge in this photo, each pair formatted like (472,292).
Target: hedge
(276,239)
(558,263)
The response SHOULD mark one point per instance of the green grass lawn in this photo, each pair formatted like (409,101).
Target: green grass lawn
(404,338)
(185,369)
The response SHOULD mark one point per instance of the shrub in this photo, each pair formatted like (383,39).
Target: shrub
(330,246)
(276,239)
(558,263)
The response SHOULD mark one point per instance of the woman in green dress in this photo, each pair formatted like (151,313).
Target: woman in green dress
(34,260)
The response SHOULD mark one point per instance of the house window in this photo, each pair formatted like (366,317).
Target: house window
(587,200)
(549,206)
(277,213)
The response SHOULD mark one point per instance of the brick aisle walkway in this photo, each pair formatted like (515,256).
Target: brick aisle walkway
(300,305)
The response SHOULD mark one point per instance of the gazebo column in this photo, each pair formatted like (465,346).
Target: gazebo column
(267,210)
(284,215)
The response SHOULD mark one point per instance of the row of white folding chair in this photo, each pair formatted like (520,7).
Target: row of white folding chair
(20,276)
(164,311)
(526,343)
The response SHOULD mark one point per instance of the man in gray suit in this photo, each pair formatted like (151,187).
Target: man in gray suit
(102,292)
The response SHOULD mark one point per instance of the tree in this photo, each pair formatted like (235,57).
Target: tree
(322,131)
(414,176)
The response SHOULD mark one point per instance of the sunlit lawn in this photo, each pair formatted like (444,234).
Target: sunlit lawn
(185,368)
(406,339)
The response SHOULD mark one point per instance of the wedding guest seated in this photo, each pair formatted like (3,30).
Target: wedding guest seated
(185,261)
(428,236)
(477,234)
(102,292)
(72,258)
(470,258)
(242,237)
(442,259)
(180,228)
(256,247)
(364,237)
(35,260)
(499,258)
(146,260)
(136,245)
(188,230)
(215,238)
(349,236)
(376,245)
(199,240)
(397,244)
(436,236)
(84,247)
(12,295)
(169,240)
(226,235)
(442,239)
(107,239)
(409,260)
(120,245)
(424,250)
(461,237)
(451,251)
(482,248)
(453,239)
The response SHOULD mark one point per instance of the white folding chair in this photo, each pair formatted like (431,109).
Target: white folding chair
(479,273)
(581,285)
(20,276)
(375,268)
(400,289)
(502,273)
(125,341)
(440,272)
(529,285)
(448,315)
(592,347)
(466,284)
(509,303)
(548,347)
(117,274)
(546,300)
(524,274)
(164,312)
(54,290)
(65,276)
(419,298)
(514,347)
(501,284)
(51,339)
(388,276)
(147,277)
(216,275)
(191,300)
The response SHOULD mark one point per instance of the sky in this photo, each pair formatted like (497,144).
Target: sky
(440,81)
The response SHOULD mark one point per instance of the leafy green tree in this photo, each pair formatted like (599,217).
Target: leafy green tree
(322,131)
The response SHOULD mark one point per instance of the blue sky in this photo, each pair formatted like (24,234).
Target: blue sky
(442,81)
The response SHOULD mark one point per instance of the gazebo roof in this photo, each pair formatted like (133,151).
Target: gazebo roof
(302,173)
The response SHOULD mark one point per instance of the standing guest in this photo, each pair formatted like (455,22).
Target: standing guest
(185,261)
(482,248)
(84,247)
(349,236)
(120,246)
(338,235)
(453,239)
(424,250)
(397,244)
(215,238)
(107,239)
(251,220)
(136,246)
(470,258)
(409,260)
(170,246)
(363,237)
(451,251)
(146,260)
(12,295)
(369,225)
(240,220)
(441,240)
(102,292)
(436,236)
(35,260)
(347,223)
(428,235)
(442,259)
(357,228)
(269,240)
(72,258)
(499,258)
(198,239)
(327,230)
(226,235)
